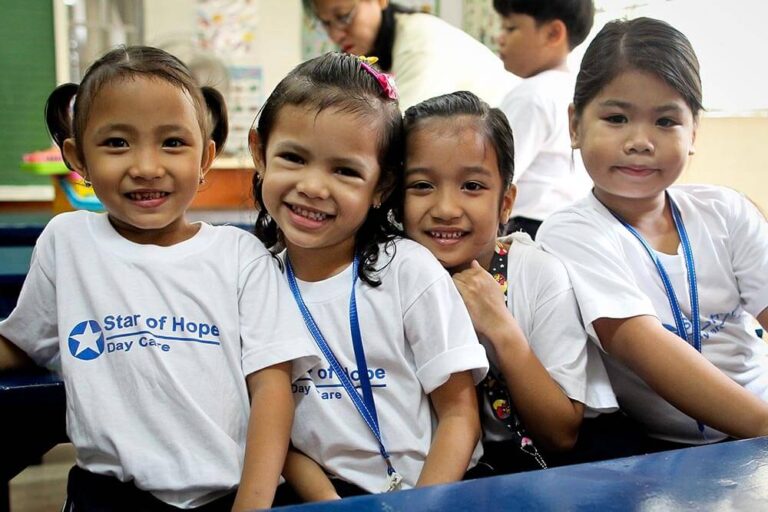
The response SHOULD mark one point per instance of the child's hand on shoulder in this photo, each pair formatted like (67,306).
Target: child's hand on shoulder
(484,299)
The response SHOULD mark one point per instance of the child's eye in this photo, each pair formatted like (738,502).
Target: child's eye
(666,122)
(508,28)
(174,142)
(115,142)
(346,171)
(473,186)
(419,186)
(291,157)
(616,119)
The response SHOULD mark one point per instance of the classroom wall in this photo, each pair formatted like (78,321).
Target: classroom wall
(277,45)
(731,151)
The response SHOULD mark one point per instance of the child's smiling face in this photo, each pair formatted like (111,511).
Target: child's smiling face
(321,176)
(454,198)
(144,153)
(635,137)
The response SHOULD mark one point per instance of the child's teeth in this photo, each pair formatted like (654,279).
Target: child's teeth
(444,234)
(146,196)
(309,214)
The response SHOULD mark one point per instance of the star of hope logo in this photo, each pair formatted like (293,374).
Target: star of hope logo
(86,340)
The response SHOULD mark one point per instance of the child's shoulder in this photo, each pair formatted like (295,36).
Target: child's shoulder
(76,217)
(245,241)
(585,210)
(72,223)
(716,203)
(586,224)
(528,258)
(703,193)
(409,259)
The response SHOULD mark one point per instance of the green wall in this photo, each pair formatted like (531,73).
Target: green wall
(27,76)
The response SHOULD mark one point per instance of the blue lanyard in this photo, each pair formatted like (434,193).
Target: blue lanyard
(365,405)
(695,338)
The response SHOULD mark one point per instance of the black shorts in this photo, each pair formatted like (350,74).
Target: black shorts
(90,492)
(285,494)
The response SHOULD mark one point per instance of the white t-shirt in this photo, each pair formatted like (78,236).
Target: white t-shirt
(614,277)
(540,297)
(431,57)
(154,344)
(548,174)
(416,332)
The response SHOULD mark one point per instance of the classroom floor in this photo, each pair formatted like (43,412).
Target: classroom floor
(43,487)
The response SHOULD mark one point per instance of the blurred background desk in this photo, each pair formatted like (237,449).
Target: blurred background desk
(726,476)
(32,421)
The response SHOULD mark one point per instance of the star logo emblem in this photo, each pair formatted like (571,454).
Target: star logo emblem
(86,340)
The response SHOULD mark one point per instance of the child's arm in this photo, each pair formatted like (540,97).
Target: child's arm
(551,417)
(307,478)
(269,431)
(678,373)
(458,431)
(12,356)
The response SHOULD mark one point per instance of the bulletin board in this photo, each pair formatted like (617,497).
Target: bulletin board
(227,29)
(28,75)
(482,22)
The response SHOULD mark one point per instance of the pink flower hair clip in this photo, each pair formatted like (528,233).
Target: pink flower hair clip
(386,82)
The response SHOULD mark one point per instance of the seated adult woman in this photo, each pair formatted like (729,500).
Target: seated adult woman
(426,55)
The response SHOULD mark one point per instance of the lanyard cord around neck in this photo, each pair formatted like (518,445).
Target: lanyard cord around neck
(365,406)
(495,389)
(695,338)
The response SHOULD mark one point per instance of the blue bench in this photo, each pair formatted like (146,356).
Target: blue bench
(726,476)
(32,421)
(732,475)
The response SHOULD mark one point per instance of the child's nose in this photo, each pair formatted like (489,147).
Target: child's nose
(447,207)
(639,140)
(147,165)
(313,185)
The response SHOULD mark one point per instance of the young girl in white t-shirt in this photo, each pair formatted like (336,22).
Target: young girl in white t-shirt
(161,328)
(327,148)
(458,192)
(668,277)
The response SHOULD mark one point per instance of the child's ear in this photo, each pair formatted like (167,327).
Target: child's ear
(573,127)
(209,154)
(72,158)
(507,202)
(254,146)
(557,32)
(383,190)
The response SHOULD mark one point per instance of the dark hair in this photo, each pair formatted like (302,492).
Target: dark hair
(577,15)
(495,128)
(385,38)
(644,44)
(339,81)
(125,63)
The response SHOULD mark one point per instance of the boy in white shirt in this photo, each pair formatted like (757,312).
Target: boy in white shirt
(534,44)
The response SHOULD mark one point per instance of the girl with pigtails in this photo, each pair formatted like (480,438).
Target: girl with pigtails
(166,332)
